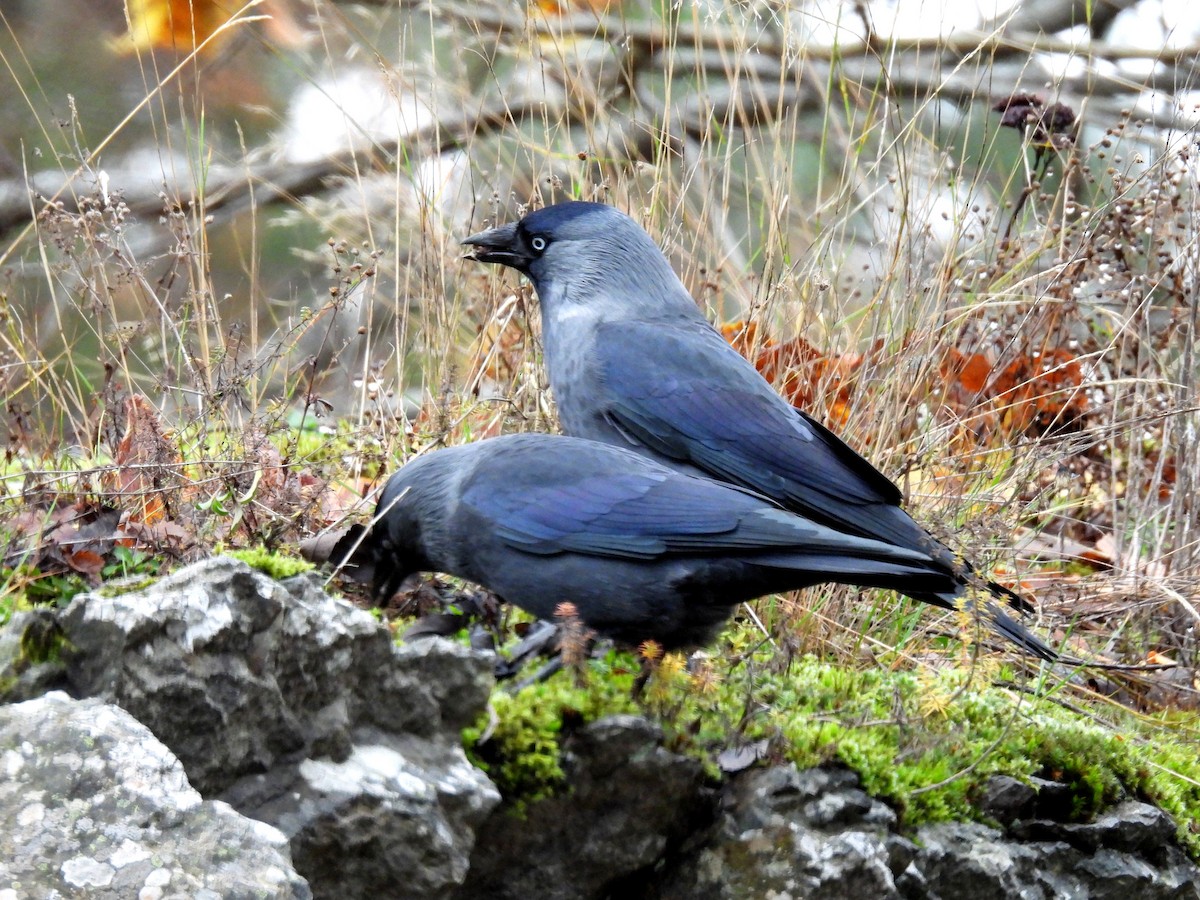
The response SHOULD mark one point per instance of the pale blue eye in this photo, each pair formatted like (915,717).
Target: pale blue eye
(538,243)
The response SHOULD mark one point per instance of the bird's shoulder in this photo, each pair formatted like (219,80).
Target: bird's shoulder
(681,354)
(686,376)
(685,392)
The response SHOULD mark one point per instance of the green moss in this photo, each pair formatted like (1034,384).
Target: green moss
(42,641)
(40,648)
(273,563)
(124,586)
(926,743)
(38,589)
(517,741)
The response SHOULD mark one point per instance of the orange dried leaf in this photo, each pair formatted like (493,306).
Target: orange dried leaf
(972,371)
(743,336)
(1042,391)
(1103,555)
(568,7)
(1157,658)
(799,370)
(85,562)
(145,463)
(180,25)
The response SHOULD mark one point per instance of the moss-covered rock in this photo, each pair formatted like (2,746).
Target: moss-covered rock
(927,743)
(271,563)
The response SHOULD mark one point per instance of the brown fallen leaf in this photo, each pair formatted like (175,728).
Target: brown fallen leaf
(88,563)
(146,464)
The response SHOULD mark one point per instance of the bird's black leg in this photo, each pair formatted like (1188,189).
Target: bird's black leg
(649,665)
(555,663)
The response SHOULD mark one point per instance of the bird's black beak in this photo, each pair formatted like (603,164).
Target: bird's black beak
(501,245)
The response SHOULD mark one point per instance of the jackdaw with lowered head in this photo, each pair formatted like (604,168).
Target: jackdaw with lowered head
(634,363)
(641,551)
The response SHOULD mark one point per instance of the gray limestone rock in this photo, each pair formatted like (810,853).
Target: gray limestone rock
(396,818)
(31,646)
(237,673)
(630,803)
(94,806)
(300,711)
(785,832)
(815,834)
(973,862)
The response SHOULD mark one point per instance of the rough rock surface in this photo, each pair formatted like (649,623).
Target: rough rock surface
(800,834)
(236,672)
(300,711)
(29,658)
(815,834)
(396,818)
(94,806)
(630,803)
(1065,860)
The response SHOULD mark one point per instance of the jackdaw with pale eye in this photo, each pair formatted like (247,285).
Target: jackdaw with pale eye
(633,363)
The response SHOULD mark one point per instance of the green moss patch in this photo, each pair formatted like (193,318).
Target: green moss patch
(272,563)
(926,742)
(517,742)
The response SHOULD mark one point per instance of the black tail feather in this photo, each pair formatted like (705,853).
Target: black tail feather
(1011,597)
(994,613)
(1019,635)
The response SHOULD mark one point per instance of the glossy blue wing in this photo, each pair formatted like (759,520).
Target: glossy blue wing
(638,515)
(685,393)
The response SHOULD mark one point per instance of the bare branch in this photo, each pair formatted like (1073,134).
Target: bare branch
(278,180)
